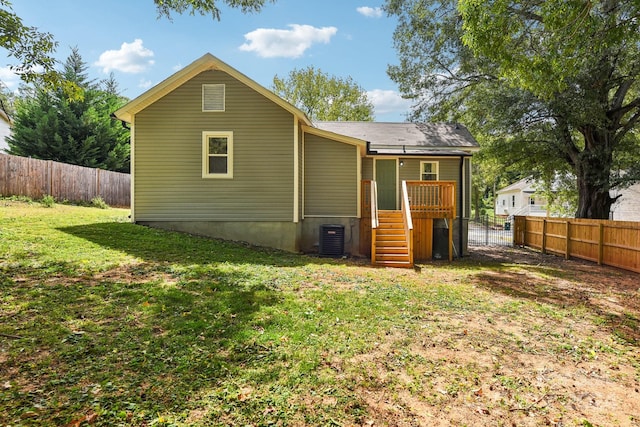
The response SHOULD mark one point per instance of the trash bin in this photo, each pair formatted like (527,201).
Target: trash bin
(440,244)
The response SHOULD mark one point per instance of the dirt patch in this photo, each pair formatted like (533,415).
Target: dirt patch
(516,369)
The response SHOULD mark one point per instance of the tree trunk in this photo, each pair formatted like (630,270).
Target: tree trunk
(593,201)
(593,171)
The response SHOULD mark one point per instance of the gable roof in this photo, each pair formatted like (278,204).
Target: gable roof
(525,185)
(204,63)
(408,138)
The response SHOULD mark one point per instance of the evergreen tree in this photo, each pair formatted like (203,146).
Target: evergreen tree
(48,125)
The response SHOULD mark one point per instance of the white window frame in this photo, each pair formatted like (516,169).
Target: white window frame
(205,154)
(437,170)
(224,94)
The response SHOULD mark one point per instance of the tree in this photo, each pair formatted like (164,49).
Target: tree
(553,86)
(33,50)
(48,125)
(324,97)
(206,7)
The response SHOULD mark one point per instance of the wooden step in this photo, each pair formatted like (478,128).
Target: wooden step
(392,257)
(394,264)
(391,243)
(390,232)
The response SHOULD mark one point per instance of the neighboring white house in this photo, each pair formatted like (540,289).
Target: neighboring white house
(520,198)
(627,208)
(5,130)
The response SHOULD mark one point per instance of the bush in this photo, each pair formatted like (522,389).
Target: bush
(48,201)
(97,202)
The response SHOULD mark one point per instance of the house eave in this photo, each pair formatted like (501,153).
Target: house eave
(362,145)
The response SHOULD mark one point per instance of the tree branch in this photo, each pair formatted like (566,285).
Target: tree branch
(525,14)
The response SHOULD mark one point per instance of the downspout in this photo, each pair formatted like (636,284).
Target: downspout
(462,206)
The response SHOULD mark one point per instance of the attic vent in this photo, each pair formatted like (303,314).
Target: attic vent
(213,97)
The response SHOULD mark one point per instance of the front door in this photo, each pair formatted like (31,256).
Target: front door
(386,182)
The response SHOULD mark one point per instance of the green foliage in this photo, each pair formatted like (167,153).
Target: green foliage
(50,126)
(33,50)
(549,87)
(324,97)
(48,201)
(206,7)
(97,202)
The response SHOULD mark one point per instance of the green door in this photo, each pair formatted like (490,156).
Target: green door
(386,182)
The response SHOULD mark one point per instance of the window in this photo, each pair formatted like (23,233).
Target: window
(429,171)
(513,201)
(217,154)
(503,202)
(213,97)
(532,201)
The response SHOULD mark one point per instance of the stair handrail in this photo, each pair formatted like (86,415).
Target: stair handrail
(374,205)
(374,220)
(408,222)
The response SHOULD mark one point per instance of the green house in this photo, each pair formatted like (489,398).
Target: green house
(214,153)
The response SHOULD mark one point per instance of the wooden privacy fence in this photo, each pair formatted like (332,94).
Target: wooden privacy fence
(615,243)
(23,176)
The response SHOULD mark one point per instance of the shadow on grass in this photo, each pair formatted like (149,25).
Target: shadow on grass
(196,320)
(157,245)
(547,279)
(131,349)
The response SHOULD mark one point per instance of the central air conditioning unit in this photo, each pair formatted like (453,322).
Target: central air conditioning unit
(331,240)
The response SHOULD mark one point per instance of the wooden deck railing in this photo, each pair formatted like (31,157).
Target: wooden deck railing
(433,199)
(408,223)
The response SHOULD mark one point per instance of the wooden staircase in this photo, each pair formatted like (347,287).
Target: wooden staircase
(391,244)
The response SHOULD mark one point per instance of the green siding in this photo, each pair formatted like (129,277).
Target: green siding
(168,157)
(331,178)
(367,168)
(448,170)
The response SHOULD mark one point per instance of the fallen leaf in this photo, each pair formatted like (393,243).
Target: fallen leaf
(89,419)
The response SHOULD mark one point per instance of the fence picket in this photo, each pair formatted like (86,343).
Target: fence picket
(34,178)
(614,243)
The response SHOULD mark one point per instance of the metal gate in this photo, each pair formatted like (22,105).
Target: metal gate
(491,231)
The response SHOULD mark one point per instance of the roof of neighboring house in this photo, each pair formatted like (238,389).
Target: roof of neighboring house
(525,185)
(205,63)
(407,138)
(5,117)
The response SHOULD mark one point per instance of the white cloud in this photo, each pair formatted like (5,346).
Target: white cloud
(388,101)
(177,67)
(292,43)
(145,84)
(9,78)
(370,12)
(131,58)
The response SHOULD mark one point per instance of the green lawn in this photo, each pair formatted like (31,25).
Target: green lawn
(103,322)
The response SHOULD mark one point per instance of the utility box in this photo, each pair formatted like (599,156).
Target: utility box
(331,240)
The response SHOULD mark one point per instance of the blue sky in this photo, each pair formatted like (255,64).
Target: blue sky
(341,37)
